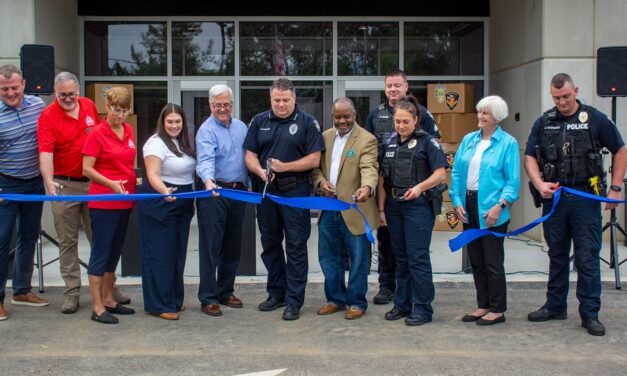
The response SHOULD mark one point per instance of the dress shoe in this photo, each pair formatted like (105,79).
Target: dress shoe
(395,314)
(70,304)
(291,313)
(3,314)
(120,297)
(104,318)
(29,299)
(212,309)
(169,316)
(329,309)
(120,310)
(232,301)
(484,322)
(354,313)
(544,314)
(594,327)
(416,320)
(470,318)
(384,296)
(271,304)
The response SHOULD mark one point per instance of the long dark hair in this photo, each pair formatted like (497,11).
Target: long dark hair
(182,138)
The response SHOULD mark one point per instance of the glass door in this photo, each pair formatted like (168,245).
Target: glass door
(366,95)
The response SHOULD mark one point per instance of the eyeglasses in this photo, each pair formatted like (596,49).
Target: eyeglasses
(117,111)
(67,95)
(226,106)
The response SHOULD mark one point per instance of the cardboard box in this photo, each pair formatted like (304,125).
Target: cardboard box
(132,121)
(453,127)
(448,222)
(98,93)
(445,196)
(450,98)
(450,149)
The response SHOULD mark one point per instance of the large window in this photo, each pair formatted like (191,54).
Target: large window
(366,49)
(203,49)
(125,48)
(444,48)
(286,49)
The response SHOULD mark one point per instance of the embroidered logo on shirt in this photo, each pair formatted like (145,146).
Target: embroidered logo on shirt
(317,125)
(89,121)
(293,129)
(131,144)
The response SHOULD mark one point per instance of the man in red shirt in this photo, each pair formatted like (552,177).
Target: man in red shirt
(62,130)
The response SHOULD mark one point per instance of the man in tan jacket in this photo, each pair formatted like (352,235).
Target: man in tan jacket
(349,172)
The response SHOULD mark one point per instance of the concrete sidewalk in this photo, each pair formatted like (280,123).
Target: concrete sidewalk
(42,341)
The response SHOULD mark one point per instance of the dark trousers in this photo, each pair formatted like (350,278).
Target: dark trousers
(220,226)
(578,220)
(411,224)
(27,216)
(387,264)
(287,279)
(108,227)
(487,256)
(164,232)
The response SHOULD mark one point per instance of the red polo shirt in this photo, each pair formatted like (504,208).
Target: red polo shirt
(115,160)
(64,136)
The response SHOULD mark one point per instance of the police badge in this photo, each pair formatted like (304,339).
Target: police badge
(412,144)
(451,219)
(583,117)
(451,100)
(450,158)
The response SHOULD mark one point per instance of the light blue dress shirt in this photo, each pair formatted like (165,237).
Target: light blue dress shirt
(499,173)
(220,151)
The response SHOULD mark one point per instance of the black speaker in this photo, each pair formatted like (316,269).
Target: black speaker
(37,64)
(612,71)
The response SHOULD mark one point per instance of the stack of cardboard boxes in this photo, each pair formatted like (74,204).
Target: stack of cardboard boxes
(97,92)
(452,106)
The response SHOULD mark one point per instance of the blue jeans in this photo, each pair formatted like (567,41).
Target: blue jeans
(27,215)
(578,220)
(410,224)
(331,232)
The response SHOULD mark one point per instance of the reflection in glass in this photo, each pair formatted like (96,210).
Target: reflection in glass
(314,97)
(203,48)
(125,48)
(282,49)
(444,48)
(367,49)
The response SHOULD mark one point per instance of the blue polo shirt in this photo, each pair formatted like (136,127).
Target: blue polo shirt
(287,139)
(220,151)
(19,152)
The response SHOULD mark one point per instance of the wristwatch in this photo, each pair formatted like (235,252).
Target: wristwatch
(501,204)
(616,188)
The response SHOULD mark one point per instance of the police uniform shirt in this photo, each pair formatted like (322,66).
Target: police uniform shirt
(287,139)
(603,130)
(426,122)
(427,148)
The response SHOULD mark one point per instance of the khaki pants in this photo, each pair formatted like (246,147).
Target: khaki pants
(67,217)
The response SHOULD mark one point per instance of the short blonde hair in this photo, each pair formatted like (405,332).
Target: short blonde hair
(119,96)
(495,105)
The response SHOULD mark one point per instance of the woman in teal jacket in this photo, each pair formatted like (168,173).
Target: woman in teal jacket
(484,182)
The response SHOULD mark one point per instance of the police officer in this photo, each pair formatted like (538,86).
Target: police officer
(412,166)
(564,149)
(380,122)
(288,141)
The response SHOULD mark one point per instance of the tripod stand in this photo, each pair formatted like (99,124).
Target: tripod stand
(613,225)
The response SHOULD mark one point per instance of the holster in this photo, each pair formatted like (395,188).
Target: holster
(436,196)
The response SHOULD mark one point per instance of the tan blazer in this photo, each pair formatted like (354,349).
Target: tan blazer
(358,167)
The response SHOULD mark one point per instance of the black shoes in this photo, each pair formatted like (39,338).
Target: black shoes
(544,314)
(484,322)
(470,318)
(291,313)
(384,296)
(415,320)
(395,314)
(104,318)
(271,304)
(120,310)
(594,327)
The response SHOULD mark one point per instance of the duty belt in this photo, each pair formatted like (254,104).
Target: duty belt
(233,185)
(396,192)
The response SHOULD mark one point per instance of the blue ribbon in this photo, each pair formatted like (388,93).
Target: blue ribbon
(317,203)
(472,234)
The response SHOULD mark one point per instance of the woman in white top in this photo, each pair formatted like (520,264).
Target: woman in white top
(164,223)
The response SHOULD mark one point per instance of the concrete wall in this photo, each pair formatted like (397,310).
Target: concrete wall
(530,41)
(57,24)
(17,27)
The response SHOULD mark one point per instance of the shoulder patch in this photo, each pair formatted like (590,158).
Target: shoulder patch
(315,122)
(435,143)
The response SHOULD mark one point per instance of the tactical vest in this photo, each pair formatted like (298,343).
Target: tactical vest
(399,167)
(383,125)
(568,152)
